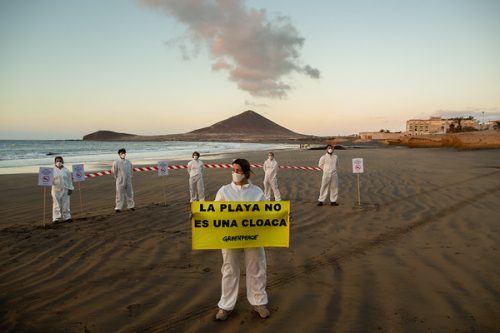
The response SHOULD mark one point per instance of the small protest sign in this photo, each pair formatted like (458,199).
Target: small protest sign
(357,165)
(162,168)
(45,176)
(78,173)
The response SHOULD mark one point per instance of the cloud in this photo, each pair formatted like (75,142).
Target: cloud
(312,72)
(256,105)
(188,51)
(257,52)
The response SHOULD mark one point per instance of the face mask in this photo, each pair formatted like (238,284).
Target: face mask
(330,151)
(59,164)
(195,157)
(122,156)
(238,177)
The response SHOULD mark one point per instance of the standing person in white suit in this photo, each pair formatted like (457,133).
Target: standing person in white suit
(240,189)
(62,187)
(196,185)
(271,178)
(329,164)
(122,171)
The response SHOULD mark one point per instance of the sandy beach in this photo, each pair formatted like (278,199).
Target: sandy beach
(420,254)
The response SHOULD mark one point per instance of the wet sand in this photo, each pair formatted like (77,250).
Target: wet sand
(420,254)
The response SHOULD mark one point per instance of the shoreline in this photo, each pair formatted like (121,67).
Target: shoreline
(461,141)
(138,158)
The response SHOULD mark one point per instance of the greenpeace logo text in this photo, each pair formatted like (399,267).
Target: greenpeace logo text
(239,238)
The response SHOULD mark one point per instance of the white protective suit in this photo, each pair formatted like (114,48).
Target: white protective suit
(255,258)
(60,197)
(328,163)
(196,185)
(122,171)
(271,179)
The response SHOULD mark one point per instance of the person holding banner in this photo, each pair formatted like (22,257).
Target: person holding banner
(62,187)
(196,185)
(328,163)
(122,172)
(241,189)
(271,178)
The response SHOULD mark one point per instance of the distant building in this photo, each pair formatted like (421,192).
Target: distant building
(437,125)
(493,125)
(431,126)
(379,135)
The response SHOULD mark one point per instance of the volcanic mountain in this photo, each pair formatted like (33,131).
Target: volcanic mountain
(248,122)
(248,126)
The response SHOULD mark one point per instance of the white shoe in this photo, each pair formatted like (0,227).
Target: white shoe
(262,311)
(222,314)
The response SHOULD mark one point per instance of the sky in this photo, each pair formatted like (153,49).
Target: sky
(321,67)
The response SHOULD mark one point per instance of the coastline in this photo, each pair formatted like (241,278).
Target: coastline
(461,141)
(139,153)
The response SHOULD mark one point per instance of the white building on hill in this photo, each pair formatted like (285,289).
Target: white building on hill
(437,125)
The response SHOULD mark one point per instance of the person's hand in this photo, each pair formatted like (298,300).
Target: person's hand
(69,192)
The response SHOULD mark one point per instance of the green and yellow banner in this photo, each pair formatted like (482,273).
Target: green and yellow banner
(230,225)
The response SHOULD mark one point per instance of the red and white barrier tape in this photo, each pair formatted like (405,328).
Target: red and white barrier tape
(206,166)
(300,168)
(97,174)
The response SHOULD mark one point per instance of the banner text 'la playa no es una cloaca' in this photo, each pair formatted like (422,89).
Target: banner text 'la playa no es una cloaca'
(230,225)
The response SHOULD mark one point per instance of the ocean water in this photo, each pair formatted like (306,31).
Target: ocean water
(26,156)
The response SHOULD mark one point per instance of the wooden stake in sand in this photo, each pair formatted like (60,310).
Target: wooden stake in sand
(359,192)
(45,178)
(357,168)
(164,190)
(78,175)
(163,171)
(43,217)
(80,195)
